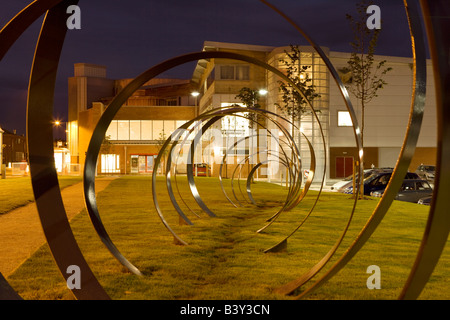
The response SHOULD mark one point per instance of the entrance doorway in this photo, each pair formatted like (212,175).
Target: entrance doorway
(344,166)
(142,163)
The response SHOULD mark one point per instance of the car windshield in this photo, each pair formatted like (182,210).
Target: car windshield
(422,185)
(429,168)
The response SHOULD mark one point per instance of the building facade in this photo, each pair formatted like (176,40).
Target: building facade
(162,105)
(136,134)
(331,133)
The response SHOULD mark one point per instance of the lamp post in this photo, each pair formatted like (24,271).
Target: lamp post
(195,94)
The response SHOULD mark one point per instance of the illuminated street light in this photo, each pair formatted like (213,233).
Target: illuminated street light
(195,94)
(263,92)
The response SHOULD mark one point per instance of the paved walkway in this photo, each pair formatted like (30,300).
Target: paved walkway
(21,231)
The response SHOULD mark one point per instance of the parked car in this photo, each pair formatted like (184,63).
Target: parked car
(426,172)
(349,180)
(343,182)
(412,190)
(377,181)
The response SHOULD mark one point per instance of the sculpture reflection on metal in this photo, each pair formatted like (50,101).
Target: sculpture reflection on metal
(45,185)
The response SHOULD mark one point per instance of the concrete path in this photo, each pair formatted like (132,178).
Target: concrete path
(21,231)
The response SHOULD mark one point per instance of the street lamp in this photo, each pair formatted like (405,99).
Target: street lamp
(195,94)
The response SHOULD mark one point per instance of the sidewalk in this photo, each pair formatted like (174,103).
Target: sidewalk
(21,231)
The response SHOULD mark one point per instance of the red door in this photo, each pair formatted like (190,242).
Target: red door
(344,166)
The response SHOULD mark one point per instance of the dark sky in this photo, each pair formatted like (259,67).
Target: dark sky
(131,36)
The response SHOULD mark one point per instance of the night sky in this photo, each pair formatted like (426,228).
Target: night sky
(130,36)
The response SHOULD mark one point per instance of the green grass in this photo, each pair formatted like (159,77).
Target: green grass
(225,258)
(17,192)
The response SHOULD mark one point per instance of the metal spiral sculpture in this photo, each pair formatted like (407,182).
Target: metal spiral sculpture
(47,194)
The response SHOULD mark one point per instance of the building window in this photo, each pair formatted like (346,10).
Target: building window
(226,72)
(123,130)
(135,130)
(344,119)
(235,126)
(110,163)
(236,72)
(138,130)
(242,72)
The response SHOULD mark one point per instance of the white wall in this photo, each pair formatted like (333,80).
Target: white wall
(386,117)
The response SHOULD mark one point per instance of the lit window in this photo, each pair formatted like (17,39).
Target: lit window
(344,119)
(146,133)
(112,130)
(123,130)
(110,163)
(158,129)
(135,130)
(235,126)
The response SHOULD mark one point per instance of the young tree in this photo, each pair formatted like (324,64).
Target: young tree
(294,104)
(366,74)
(250,99)
(159,145)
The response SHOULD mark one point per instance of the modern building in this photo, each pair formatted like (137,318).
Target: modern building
(162,105)
(135,136)
(386,117)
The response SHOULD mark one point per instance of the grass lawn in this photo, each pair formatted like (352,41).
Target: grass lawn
(225,258)
(17,192)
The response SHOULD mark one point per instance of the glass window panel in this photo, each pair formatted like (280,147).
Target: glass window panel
(306,54)
(135,130)
(169,127)
(227,72)
(146,130)
(158,128)
(123,130)
(110,163)
(242,72)
(306,61)
(344,119)
(112,130)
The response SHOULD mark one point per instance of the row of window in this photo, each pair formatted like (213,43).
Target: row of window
(234,72)
(161,129)
(142,129)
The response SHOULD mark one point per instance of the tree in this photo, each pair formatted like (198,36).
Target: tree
(250,99)
(294,104)
(366,75)
(159,145)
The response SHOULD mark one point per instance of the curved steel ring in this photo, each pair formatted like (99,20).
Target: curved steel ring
(39,136)
(407,151)
(110,112)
